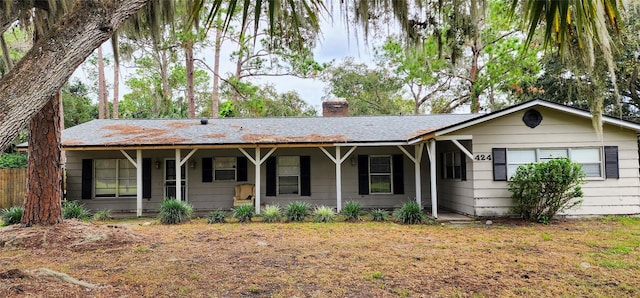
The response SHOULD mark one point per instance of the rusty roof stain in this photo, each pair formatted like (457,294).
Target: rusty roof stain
(237,131)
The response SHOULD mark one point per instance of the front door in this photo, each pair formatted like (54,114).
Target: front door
(170,180)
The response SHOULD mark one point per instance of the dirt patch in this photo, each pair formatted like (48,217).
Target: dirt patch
(508,258)
(70,235)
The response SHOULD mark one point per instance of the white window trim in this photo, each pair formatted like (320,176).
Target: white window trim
(117,180)
(235,169)
(298,175)
(569,155)
(390,174)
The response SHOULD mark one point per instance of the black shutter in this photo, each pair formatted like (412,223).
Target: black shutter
(241,170)
(363,174)
(305,175)
(499,157)
(87,178)
(463,166)
(398,174)
(146,178)
(271,177)
(207,169)
(611,168)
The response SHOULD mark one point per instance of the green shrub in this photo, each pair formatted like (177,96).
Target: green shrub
(13,161)
(73,209)
(323,214)
(351,211)
(102,215)
(296,211)
(379,214)
(541,190)
(409,213)
(244,213)
(11,216)
(173,211)
(271,213)
(217,216)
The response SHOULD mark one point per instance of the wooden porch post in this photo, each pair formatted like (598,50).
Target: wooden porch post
(138,182)
(338,160)
(178,176)
(431,150)
(257,162)
(257,166)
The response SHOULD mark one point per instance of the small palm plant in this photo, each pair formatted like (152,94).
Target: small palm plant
(173,211)
(271,213)
(352,211)
(323,214)
(297,211)
(409,213)
(243,213)
(11,216)
(217,216)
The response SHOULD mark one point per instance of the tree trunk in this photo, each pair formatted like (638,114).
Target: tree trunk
(27,88)
(190,92)
(103,103)
(42,204)
(215,99)
(116,89)
(166,89)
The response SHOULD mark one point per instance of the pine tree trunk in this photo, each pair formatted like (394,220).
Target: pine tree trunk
(215,99)
(190,92)
(103,102)
(42,204)
(116,90)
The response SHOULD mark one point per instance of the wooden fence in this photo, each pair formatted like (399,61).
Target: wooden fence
(13,183)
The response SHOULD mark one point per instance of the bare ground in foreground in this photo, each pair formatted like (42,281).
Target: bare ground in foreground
(594,257)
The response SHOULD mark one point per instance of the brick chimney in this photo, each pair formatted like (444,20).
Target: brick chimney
(337,107)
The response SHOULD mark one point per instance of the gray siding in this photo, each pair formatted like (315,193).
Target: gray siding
(610,196)
(218,194)
(455,194)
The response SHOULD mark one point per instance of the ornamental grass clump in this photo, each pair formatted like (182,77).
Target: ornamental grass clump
(102,215)
(297,211)
(351,211)
(409,213)
(217,216)
(11,216)
(271,213)
(541,190)
(173,211)
(379,214)
(244,213)
(73,209)
(323,214)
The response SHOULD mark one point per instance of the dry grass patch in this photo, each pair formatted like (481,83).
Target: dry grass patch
(595,257)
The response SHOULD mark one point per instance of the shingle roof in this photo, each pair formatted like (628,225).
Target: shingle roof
(238,131)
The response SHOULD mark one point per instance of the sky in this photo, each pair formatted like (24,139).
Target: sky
(334,45)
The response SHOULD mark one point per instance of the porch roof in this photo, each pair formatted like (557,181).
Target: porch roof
(254,131)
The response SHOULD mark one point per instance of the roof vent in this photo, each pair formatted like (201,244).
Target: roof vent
(204,121)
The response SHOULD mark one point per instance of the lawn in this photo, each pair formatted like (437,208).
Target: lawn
(132,258)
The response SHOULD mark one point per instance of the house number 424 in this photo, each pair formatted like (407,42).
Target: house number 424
(483,157)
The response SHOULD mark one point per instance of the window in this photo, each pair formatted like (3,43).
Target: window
(452,165)
(288,174)
(114,178)
(589,158)
(224,168)
(380,174)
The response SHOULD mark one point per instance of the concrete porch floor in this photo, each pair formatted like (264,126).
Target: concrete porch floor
(448,216)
